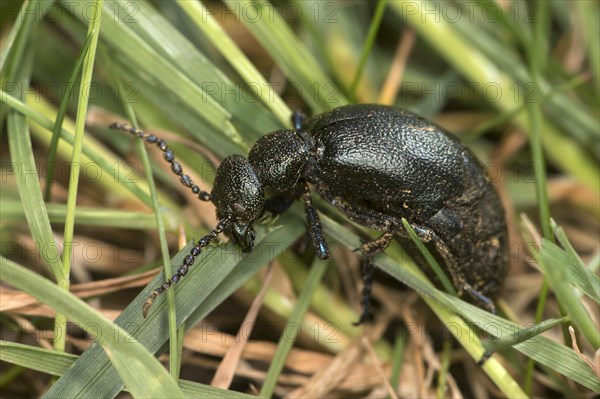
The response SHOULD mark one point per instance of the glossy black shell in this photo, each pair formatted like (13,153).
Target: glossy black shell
(390,164)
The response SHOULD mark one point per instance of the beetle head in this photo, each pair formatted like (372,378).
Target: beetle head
(279,159)
(239,196)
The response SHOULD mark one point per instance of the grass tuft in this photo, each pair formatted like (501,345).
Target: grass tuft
(517,82)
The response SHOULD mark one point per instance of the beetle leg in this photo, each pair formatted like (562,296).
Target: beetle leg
(378,245)
(314,224)
(484,300)
(363,216)
(369,249)
(460,282)
(366,268)
(278,204)
(298,120)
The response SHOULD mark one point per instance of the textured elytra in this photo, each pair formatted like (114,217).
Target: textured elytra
(378,165)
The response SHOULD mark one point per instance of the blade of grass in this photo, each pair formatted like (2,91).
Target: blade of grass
(60,116)
(537,55)
(57,363)
(321,329)
(34,358)
(144,376)
(290,54)
(206,285)
(245,110)
(35,111)
(567,112)
(13,47)
(398,356)
(588,12)
(205,22)
(443,371)
(286,341)
(60,322)
(368,46)
(248,267)
(508,340)
(508,20)
(90,216)
(541,349)
(11,38)
(547,353)
(506,117)
(144,56)
(174,349)
(567,298)
(337,311)
(579,275)
(27,179)
(444,280)
(574,273)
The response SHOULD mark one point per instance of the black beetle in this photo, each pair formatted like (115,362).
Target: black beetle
(377,165)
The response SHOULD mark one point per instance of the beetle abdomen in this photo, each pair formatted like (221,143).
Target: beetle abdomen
(389,160)
(378,165)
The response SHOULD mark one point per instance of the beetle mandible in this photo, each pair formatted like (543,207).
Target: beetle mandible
(377,165)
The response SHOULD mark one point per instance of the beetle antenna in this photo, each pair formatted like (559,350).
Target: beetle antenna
(169,156)
(187,262)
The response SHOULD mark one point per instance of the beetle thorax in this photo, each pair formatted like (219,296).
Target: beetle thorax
(279,159)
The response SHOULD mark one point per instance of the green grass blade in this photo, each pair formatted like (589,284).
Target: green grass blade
(588,12)
(152,53)
(206,285)
(57,363)
(148,46)
(62,110)
(572,270)
(557,277)
(291,55)
(579,275)
(537,61)
(27,178)
(143,375)
(286,341)
(114,180)
(88,216)
(337,311)
(541,349)
(373,28)
(247,267)
(17,44)
(400,344)
(444,280)
(13,47)
(205,22)
(34,358)
(174,350)
(196,390)
(537,56)
(84,95)
(508,340)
